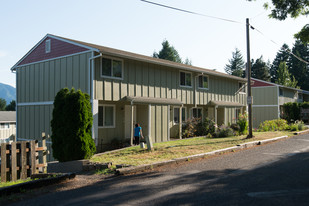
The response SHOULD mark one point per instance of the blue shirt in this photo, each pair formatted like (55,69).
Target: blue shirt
(137,131)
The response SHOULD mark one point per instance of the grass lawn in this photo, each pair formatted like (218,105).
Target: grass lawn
(179,148)
(6,184)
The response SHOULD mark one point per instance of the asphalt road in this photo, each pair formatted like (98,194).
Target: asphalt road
(272,174)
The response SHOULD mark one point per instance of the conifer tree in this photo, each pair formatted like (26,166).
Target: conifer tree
(282,56)
(260,69)
(236,64)
(71,126)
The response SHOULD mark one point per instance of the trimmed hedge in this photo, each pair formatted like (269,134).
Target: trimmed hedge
(291,110)
(71,126)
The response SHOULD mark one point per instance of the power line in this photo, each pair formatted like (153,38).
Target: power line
(191,12)
(287,50)
(223,19)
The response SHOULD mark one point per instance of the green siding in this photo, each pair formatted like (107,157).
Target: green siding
(265,95)
(260,114)
(150,80)
(288,96)
(40,82)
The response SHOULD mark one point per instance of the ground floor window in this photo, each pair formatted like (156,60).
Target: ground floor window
(176,115)
(106,116)
(197,112)
(4,125)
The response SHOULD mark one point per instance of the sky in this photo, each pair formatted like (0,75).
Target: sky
(139,27)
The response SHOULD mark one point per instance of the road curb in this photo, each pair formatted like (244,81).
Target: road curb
(141,168)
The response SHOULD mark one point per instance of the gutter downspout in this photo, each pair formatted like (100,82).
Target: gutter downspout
(91,92)
(131,123)
(16,136)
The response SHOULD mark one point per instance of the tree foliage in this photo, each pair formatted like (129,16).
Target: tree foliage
(168,52)
(284,77)
(11,106)
(71,126)
(260,69)
(282,56)
(2,104)
(236,64)
(298,68)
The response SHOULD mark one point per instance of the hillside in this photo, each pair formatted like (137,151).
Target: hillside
(7,92)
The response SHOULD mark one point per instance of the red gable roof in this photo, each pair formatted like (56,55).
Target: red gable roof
(58,48)
(260,83)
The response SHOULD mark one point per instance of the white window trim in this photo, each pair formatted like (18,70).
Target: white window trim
(175,123)
(114,115)
(111,77)
(185,86)
(244,86)
(202,88)
(47,46)
(196,108)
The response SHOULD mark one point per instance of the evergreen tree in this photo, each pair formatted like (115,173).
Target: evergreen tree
(260,69)
(71,126)
(282,56)
(168,52)
(236,64)
(298,68)
(284,77)
(11,106)
(2,104)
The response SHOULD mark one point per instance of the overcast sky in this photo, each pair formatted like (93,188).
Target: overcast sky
(139,27)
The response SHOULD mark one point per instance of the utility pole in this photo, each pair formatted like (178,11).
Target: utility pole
(249,97)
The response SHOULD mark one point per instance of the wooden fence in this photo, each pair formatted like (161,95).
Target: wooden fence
(21,159)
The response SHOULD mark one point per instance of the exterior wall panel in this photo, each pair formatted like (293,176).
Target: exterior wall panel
(260,114)
(265,95)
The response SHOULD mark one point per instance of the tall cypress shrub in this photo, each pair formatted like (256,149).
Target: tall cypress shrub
(71,126)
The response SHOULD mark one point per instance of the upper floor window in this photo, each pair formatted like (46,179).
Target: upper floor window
(203,82)
(185,79)
(241,87)
(112,68)
(280,92)
(47,46)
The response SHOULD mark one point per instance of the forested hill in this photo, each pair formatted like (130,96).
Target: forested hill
(7,92)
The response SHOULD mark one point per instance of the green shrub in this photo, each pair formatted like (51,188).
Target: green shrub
(189,128)
(205,127)
(71,126)
(291,111)
(223,131)
(242,122)
(274,125)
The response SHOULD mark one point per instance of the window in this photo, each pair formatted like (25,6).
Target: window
(300,96)
(47,46)
(106,116)
(197,112)
(241,87)
(4,125)
(185,79)
(203,82)
(280,92)
(111,68)
(176,115)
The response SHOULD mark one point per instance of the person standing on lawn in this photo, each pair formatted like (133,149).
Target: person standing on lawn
(137,134)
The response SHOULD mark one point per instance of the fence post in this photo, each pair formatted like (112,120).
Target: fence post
(13,162)
(44,153)
(3,162)
(33,156)
(24,160)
